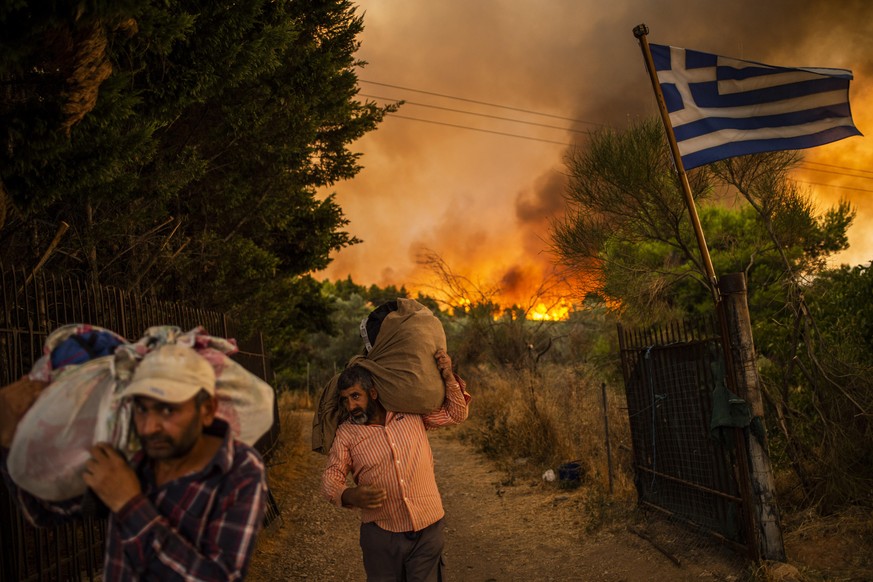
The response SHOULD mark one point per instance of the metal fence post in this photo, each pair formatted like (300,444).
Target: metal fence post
(606,434)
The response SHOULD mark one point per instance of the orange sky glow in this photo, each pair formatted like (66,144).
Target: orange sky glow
(478,185)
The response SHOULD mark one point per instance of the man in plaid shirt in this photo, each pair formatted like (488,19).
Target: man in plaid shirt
(190,503)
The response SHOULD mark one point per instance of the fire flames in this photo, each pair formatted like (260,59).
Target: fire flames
(558,312)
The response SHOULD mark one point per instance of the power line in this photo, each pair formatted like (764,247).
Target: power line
(805,163)
(570,145)
(839,167)
(457,126)
(482,103)
(477,129)
(834,186)
(474,113)
(837,173)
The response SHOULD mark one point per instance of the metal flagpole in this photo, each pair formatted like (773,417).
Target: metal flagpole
(640,32)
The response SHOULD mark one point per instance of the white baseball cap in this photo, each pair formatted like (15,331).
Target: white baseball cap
(171,373)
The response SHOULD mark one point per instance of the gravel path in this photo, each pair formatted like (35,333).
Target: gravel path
(312,540)
(496,530)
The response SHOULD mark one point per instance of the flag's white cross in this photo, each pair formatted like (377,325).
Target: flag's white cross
(681,77)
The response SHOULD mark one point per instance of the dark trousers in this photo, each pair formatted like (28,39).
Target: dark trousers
(403,557)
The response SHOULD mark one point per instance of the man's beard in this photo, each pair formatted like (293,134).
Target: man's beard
(363,416)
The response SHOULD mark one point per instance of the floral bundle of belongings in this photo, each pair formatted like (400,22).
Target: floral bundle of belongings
(87,369)
(401,338)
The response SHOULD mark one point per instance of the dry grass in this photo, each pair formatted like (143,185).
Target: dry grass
(290,400)
(533,422)
(287,465)
(285,460)
(835,547)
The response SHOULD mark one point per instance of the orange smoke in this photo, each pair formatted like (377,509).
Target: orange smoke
(461,187)
(842,171)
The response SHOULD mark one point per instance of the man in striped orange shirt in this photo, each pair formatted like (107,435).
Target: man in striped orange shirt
(390,460)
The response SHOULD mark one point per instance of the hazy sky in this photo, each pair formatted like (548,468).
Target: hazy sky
(483,199)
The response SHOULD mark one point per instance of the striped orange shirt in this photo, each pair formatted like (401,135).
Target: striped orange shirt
(397,458)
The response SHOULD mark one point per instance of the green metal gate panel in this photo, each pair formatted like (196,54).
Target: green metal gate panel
(680,469)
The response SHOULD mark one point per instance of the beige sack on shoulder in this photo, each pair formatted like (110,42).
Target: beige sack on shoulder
(403,367)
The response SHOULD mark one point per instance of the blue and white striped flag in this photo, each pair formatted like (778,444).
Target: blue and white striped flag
(721,107)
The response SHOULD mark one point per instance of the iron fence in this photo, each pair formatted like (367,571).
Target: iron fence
(31,307)
(680,469)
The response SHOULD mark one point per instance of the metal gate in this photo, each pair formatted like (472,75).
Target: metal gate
(680,468)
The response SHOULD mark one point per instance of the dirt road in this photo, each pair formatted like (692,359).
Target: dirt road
(496,530)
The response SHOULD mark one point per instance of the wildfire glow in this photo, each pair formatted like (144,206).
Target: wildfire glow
(558,312)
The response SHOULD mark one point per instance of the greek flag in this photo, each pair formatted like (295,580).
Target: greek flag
(721,107)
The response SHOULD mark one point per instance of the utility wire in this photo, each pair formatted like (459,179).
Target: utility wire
(834,186)
(477,129)
(839,167)
(482,103)
(457,126)
(803,164)
(473,113)
(570,145)
(837,173)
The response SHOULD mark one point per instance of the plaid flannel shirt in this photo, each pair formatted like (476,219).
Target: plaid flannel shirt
(198,527)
